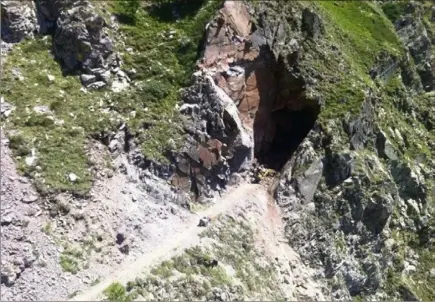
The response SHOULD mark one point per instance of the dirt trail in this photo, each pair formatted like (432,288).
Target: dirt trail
(172,245)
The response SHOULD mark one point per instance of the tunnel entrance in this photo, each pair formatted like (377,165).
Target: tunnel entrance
(285,114)
(287,130)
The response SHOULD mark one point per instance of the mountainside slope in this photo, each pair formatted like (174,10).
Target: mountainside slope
(124,118)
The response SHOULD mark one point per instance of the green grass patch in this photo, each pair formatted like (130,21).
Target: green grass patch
(419,282)
(165,269)
(345,97)
(69,264)
(126,10)
(47,228)
(414,131)
(57,134)
(190,276)
(362,31)
(74,258)
(236,247)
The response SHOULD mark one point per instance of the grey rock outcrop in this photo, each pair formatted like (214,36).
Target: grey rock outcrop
(48,11)
(18,20)
(348,186)
(80,38)
(219,144)
(351,213)
(311,24)
(413,34)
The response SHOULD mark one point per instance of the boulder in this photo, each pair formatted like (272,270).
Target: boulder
(360,129)
(5,108)
(384,147)
(354,278)
(311,24)
(411,182)
(384,68)
(9,274)
(124,248)
(87,79)
(377,212)
(374,276)
(307,183)
(97,85)
(29,198)
(121,235)
(79,40)
(338,167)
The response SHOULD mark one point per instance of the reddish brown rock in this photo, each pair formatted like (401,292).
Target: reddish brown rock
(268,94)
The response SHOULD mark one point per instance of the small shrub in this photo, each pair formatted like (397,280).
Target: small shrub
(63,207)
(154,91)
(74,252)
(19,144)
(126,10)
(393,10)
(164,269)
(117,292)
(131,285)
(95,282)
(73,294)
(69,264)
(47,228)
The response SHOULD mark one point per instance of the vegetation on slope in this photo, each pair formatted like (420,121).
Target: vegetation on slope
(394,10)
(165,49)
(362,34)
(362,31)
(57,129)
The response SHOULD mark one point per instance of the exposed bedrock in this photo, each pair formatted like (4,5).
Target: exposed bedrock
(257,110)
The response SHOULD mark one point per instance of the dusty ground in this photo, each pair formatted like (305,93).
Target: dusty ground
(252,202)
(185,237)
(33,242)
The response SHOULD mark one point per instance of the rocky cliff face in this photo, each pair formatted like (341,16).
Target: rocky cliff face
(359,200)
(337,97)
(357,185)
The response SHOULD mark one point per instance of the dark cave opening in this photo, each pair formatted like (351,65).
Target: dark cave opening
(285,114)
(287,131)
